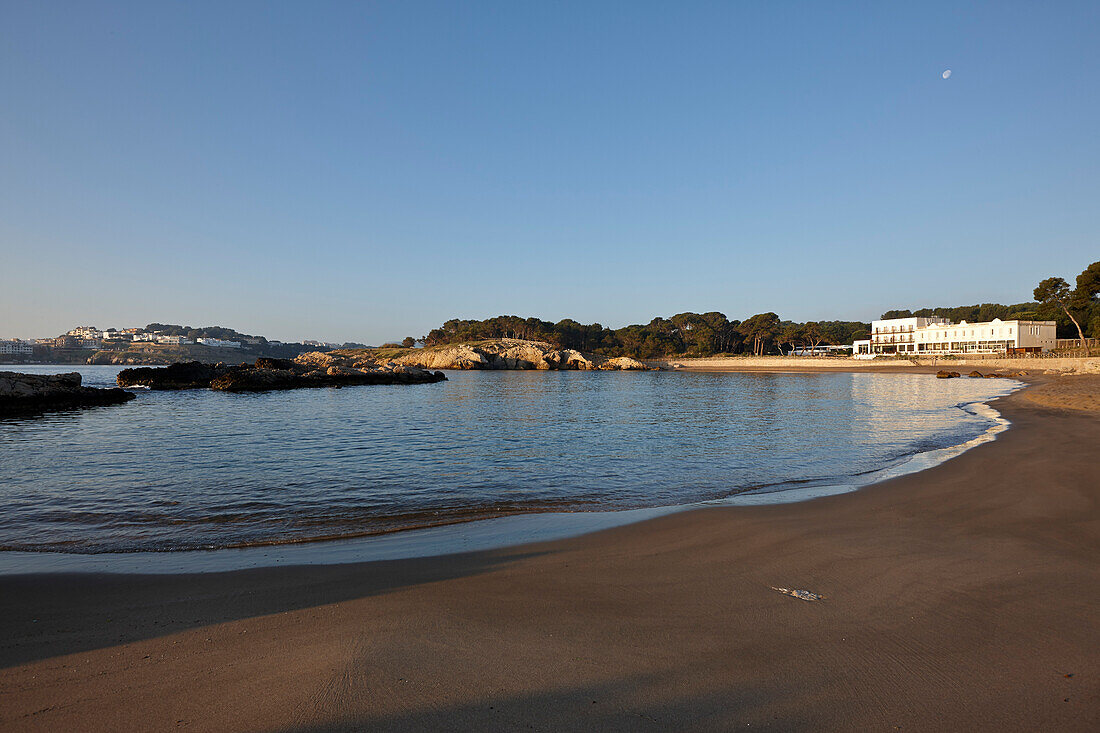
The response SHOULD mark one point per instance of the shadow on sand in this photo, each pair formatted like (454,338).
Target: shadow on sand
(47,615)
(637,703)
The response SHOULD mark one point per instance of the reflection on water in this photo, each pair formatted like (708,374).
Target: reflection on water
(175,470)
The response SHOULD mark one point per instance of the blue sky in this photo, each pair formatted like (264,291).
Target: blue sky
(363,171)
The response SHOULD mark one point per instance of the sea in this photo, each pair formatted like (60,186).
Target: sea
(184,480)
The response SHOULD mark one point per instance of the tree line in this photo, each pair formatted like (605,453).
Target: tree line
(207,332)
(685,334)
(1076,310)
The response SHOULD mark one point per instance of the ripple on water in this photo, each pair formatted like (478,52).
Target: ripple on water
(201,469)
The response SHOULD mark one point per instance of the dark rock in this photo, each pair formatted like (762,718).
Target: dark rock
(22,394)
(265,362)
(260,380)
(271,374)
(976,374)
(941,374)
(245,379)
(181,375)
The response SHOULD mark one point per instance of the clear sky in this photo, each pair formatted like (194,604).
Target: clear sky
(364,171)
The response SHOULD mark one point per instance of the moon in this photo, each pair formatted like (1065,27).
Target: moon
(947,74)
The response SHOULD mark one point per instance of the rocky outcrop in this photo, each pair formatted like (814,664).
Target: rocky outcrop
(318,359)
(273,374)
(261,380)
(942,374)
(623,363)
(22,394)
(182,375)
(454,357)
(500,354)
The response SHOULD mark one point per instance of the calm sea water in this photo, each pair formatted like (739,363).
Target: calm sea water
(202,469)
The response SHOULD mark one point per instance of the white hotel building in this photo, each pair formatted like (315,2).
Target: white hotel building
(932,336)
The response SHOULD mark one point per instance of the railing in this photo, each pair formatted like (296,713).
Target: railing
(1076,344)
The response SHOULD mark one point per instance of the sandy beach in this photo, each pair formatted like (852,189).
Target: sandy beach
(965,597)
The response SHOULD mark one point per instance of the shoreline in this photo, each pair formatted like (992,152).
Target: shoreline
(960,597)
(1007,367)
(483,534)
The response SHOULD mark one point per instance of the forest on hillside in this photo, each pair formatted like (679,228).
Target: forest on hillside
(685,334)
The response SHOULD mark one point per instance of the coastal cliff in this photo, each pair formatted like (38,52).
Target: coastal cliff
(489,354)
(22,394)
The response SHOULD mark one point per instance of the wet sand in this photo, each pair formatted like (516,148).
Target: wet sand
(964,597)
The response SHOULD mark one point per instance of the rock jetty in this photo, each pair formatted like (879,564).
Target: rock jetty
(496,354)
(272,374)
(22,394)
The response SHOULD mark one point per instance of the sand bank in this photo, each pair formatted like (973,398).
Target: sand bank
(962,597)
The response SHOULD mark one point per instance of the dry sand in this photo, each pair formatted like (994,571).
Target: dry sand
(966,597)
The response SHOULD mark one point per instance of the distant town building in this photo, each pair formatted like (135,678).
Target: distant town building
(144,336)
(90,343)
(11,347)
(118,336)
(218,343)
(174,340)
(932,336)
(85,332)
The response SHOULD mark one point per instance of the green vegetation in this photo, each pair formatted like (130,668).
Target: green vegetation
(206,332)
(685,334)
(1076,311)
(974,313)
(709,334)
(1079,304)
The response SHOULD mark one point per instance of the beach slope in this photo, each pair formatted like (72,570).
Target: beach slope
(964,597)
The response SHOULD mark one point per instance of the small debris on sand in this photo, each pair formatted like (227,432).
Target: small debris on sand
(803,595)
